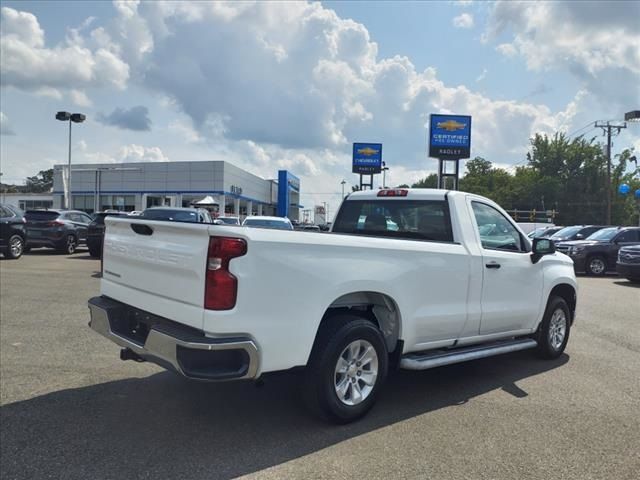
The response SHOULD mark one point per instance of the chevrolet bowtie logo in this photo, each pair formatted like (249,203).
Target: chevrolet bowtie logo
(451,125)
(368,151)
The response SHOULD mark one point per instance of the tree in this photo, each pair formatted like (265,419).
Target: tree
(42,182)
(430,181)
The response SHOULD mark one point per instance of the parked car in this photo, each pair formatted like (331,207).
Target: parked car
(544,232)
(278,223)
(239,303)
(628,264)
(598,254)
(176,214)
(227,220)
(311,228)
(95,232)
(13,232)
(63,230)
(575,232)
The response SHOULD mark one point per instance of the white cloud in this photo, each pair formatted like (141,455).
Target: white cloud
(80,98)
(482,76)
(5,128)
(301,79)
(464,20)
(507,49)
(138,153)
(270,85)
(598,42)
(27,64)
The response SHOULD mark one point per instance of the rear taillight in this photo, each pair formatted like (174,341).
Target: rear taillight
(55,223)
(221,287)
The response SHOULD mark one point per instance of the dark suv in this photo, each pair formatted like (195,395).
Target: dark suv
(598,254)
(575,232)
(63,230)
(95,233)
(13,232)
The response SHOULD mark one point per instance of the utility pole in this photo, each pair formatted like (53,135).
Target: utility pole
(607,129)
(343,183)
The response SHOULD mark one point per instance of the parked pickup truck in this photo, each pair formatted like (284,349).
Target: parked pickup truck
(215,302)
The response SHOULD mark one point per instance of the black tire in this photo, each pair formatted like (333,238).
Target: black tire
(15,248)
(70,244)
(547,348)
(320,375)
(596,265)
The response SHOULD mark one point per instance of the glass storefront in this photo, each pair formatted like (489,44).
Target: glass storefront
(33,204)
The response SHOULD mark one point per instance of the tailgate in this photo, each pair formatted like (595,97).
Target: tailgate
(157,266)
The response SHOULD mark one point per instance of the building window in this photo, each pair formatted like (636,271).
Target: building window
(125,203)
(85,203)
(33,204)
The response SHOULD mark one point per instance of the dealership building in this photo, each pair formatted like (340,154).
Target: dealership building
(136,186)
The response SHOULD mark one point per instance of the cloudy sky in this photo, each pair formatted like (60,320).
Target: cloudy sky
(271,85)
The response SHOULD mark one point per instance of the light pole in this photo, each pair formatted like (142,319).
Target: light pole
(343,182)
(71,118)
(384,174)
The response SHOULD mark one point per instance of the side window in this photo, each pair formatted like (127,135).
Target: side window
(496,232)
(74,217)
(628,236)
(4,212)
(85,218)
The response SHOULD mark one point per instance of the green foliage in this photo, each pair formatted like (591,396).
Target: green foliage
(428,182)
(569,176)
(42,182)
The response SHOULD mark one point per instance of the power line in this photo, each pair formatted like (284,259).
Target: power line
(581,128)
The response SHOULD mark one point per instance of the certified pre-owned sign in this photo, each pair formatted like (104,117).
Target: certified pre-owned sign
(367,158)
(449,136)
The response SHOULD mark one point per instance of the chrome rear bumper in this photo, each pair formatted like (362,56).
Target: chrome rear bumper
(193,356)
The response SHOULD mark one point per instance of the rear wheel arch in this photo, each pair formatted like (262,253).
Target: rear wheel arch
(376,307)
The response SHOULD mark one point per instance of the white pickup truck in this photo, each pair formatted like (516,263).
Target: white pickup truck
(405,279)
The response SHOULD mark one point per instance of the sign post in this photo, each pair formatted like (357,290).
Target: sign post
(367,160)
(449,142)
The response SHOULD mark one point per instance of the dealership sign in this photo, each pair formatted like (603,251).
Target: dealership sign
(449,136)
(367,158)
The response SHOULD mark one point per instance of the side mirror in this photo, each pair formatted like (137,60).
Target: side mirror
(541,247)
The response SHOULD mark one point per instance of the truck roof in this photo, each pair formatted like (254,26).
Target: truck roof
(412,193)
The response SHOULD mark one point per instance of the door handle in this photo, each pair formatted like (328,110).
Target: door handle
(492,265)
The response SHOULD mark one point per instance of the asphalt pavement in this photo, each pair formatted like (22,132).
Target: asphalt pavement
(69,408)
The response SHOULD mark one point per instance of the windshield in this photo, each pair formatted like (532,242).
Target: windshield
(261,223)
(604,235)
(566,232)
(410,219)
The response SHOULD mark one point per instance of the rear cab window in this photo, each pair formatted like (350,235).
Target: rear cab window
(403,219)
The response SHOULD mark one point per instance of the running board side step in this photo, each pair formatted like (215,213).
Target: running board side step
(438,358)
